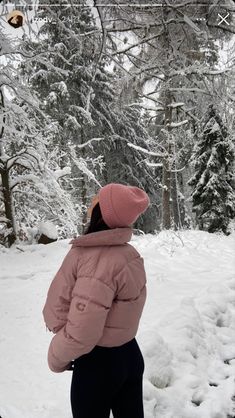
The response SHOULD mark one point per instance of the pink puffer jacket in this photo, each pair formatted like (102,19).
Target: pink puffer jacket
(96,297)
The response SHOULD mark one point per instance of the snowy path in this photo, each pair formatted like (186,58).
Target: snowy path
(186,333)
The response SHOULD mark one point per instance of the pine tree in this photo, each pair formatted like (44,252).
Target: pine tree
(61,73)
(213,195)
(71,78)
(125,162)
(177,53)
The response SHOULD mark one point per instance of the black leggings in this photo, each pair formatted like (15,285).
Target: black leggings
(108,378)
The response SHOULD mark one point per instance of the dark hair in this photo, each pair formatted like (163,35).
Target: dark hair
(96,222)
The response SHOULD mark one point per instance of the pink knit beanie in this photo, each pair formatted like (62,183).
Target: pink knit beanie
(121,205)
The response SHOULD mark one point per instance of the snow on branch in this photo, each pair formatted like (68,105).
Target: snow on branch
(177,124)
(72,123)
(192,24)
(123,51)
(178,170)
(175,105)
(80,111)
(151,98)
(28,177)
(25,159)
(57,174)
(60,87)
(185,20)
(198,71)
(82,166)
(4,219)
(153,164)
(88,142)
(156,109)
(145,151)
(23,162)
(49,65)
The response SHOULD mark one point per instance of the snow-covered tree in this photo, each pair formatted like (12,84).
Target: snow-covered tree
(127,160)
(173,47)
(30,176)
(82,95)
(213,195)
(62,76)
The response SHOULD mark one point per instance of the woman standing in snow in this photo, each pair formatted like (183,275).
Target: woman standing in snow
(94,305)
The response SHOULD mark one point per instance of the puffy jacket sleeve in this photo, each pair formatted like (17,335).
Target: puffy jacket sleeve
(58,299)
(90,304)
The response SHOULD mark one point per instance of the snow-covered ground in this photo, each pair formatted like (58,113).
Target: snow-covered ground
(186,333)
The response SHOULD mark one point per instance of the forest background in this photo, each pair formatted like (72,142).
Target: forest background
(141,94)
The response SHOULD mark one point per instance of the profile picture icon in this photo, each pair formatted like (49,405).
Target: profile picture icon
(16,19)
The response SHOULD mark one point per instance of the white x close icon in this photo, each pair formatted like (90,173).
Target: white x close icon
(223,19)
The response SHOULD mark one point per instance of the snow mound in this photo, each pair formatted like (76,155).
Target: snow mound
(158,359)
(47,228)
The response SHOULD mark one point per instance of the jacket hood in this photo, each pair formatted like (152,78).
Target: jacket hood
(115,236)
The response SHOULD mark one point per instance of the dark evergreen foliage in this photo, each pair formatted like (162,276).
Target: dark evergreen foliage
(213,195)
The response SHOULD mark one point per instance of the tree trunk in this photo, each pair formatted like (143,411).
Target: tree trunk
(182,206)
(7,195)
(166,180)
(167,99)
(83,189)
(166,174)
(175,203)
(8,205)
